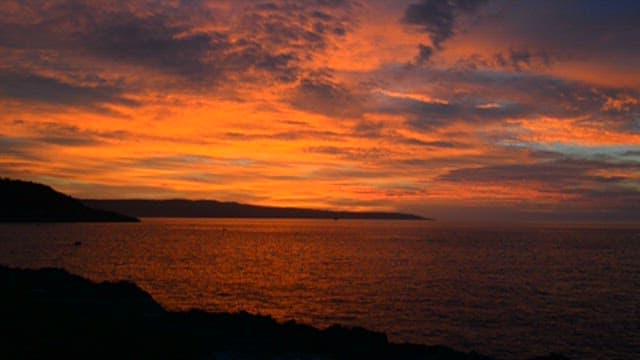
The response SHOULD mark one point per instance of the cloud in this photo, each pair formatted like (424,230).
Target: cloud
(199,56)
(437,18)
(370,154)
(432,144)
(426,115)
(35,139)
(32,87)
(323,95)
(581,33)
(369,129)
(18,149)
(560,174)
(522,59)
(565,188)
(543,95)
(621,103)
(291,135)
(71,135)
(492,96)
(301,100)
(518,60)
(424,54)
(152,42)
(200,42)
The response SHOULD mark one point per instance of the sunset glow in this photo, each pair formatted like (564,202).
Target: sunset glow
(518,109)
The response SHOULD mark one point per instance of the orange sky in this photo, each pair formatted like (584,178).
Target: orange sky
(455,110)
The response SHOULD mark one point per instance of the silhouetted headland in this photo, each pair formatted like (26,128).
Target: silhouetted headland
(49,313)
(218,209)
(24,201)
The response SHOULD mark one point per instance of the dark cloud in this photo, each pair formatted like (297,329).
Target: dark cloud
(581,30)
(432,144)
(509,60)
(50,133)
(589,31)
(297,25)
(369,129)
(492,96)
(586,194)
(170,161)
(71,135)
(438,19)
(520,60)
(425,115)
(284,135)
(424,54)
(190,39)
(331,150)
(561,175)
(541,95)
(434,113)
(151,42)
(321,94)
(374,154)
(31,87)
(66,141)
(321,15)
(332,3)
(344,172)
(19,148)
(198,56)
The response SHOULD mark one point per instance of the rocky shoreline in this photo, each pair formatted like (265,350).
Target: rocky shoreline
(50,313)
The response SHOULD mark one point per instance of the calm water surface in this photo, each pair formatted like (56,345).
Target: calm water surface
(507,291)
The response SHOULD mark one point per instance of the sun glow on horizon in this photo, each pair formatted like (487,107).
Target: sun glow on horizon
(343,105)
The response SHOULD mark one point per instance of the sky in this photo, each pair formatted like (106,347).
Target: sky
(453,109)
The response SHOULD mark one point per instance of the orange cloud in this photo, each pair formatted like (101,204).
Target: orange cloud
(324,105)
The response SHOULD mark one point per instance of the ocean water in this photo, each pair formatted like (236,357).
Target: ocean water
(508,291)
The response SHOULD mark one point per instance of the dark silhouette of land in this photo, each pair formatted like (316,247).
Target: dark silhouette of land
(24,201)
(52,314)
(218,209)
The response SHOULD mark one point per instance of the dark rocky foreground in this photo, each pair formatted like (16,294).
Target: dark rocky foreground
(52,314)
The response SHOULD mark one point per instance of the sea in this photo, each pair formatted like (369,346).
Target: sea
(510,291)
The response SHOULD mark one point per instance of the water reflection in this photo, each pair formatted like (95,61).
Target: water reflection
(499,290)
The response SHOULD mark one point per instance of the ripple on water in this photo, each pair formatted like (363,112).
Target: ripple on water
(509,291)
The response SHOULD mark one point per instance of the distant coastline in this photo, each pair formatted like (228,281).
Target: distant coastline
(24,201)
(218,209)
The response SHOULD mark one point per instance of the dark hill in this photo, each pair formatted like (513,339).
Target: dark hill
(51,314)
(23,201)
(217,209)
